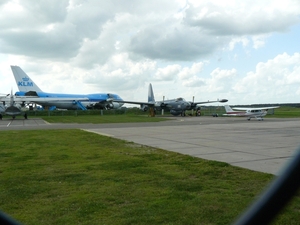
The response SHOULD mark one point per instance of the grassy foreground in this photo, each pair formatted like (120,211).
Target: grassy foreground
(77,177)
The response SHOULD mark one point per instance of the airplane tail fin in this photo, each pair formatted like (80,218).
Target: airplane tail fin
(228,108)
(150,94)
(23,81)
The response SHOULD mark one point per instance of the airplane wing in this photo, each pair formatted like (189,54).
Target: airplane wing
(153,104)
(262,108)
(57,99)
(222,101)
(42,100)
(132,102)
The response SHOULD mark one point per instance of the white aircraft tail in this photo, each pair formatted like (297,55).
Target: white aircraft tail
(150,94)
(23,81)
(228,108)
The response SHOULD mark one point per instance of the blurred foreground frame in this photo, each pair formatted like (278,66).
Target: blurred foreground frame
(279,193)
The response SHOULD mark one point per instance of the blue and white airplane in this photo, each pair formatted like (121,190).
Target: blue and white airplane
(74,101)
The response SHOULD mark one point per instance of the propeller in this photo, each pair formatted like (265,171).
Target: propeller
(193,105)
(162,105)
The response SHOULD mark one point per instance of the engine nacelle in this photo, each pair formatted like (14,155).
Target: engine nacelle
(161,105)
(144,108)
(157,104)
(193,106)
(112,105)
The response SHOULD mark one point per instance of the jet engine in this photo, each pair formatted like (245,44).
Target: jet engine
(112,105)
(23,104)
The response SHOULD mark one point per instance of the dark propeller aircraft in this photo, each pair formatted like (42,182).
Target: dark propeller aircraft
(176,106)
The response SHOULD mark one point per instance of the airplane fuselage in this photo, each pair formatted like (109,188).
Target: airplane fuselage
(176,106)
(27,87)
(257,113)
(249,113)
(13,111)
(97,98)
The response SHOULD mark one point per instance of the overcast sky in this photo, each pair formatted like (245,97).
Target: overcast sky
(246,51)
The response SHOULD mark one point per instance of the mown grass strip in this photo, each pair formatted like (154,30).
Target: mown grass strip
(77,177)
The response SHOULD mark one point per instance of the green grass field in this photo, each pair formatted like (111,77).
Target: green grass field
(286,112)
(282,112)
(135,115)
(77,177)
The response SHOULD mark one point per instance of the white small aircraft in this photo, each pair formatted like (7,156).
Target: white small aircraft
(257,113)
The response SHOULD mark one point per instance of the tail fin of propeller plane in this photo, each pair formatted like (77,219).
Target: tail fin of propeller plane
(23,81)
(228,108)
(150,94)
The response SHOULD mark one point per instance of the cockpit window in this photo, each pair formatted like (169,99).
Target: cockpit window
(255,110)
(110,95)
(180,99)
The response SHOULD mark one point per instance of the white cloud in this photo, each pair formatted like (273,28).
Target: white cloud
(113,46)
(276,79)
(167,73)
(194,81)
(220,81)
(259,41)
(187,72)
(242,17)
(234,41)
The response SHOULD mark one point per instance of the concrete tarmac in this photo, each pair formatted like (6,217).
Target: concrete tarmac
(264,146)
(257,145)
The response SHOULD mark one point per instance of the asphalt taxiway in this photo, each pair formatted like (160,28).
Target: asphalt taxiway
(264,146)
